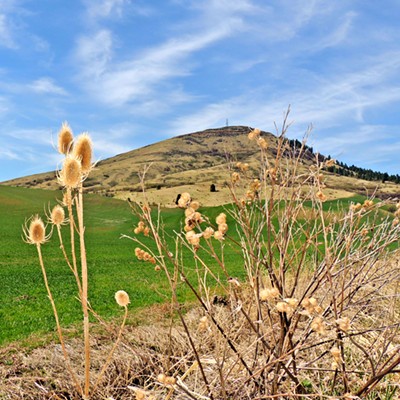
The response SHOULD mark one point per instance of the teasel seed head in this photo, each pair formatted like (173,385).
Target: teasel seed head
(83,151)
(65,138)
(122,298)
(36,232)
(71,173)
(57,216)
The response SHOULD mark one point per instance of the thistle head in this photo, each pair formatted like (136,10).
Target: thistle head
(122,298)
(35,233)
(65,138)
(57,216)
(83,152)
(71,173)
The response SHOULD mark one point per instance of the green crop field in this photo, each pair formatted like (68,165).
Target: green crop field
(24,306)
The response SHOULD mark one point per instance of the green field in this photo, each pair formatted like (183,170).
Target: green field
(24,307)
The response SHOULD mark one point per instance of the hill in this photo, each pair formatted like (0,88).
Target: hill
(193,162)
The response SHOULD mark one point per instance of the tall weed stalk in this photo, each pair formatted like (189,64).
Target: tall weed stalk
(76,168)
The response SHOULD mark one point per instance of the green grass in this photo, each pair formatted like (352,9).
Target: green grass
(24,306)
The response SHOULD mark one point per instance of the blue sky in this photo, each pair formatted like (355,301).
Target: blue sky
(133,72)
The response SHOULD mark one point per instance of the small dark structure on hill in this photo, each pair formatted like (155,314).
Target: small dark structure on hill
(213,188)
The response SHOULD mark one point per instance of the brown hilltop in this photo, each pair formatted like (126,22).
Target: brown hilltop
(191,162)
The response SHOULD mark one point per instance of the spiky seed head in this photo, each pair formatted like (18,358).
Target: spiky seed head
(71,173)
(320,196)
(282,307)
(262,143)
(344,324)
(65,138)
(140,394)
(184,200)
(254,134)
(36,233)
(122,298)
(83,151)
(189,211)
(57,216)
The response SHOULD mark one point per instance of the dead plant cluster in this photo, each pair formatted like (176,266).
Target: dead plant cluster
(315,312)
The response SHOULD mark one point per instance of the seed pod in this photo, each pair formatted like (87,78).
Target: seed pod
(83,151)
(71,173)
(57,215)
(122,298)
(37,232)
(65,138)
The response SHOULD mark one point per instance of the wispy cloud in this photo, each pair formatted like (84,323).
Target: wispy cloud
(105,8)
(117,83)
(6,36)
(46,85)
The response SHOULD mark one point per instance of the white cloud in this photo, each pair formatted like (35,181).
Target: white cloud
(9,154)
(326,103)
(116,83)
(94,53)
(6,37)
(339,34)
(105,8)
(46,86)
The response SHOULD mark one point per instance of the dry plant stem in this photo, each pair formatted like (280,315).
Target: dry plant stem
(84,299)
(110,354)
(59,331)
(72,234)
(74,271)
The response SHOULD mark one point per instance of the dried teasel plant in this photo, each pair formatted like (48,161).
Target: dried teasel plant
(76,166)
